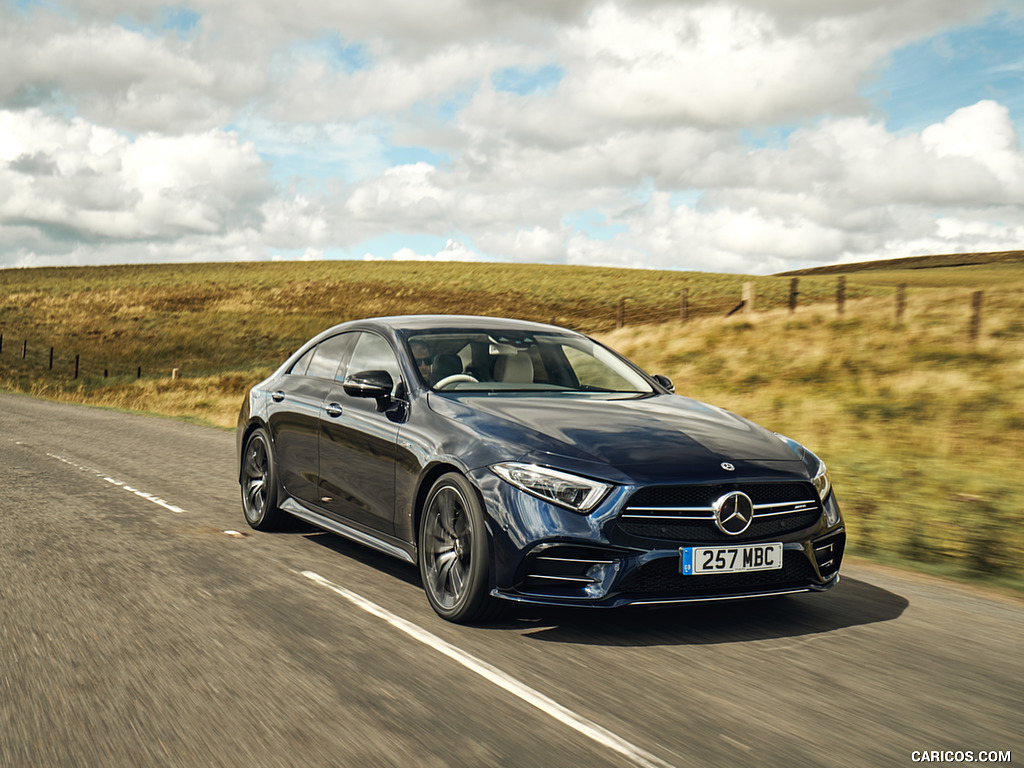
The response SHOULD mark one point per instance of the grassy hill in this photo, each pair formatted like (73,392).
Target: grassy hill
(942,261)
(923,427)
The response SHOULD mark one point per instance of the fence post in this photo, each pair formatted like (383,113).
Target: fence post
(76,366)
(841,295)
(620,317)
(901,302)
(51,358)
(748,298)
(24,350)
(793,293)
(976,314)
(1,342)
(140,373)
(684,305)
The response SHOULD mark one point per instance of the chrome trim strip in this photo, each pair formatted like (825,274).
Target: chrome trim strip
(292,507)
(746,596)
(804,503)
(573,579)
(671,509)
(667,517)
(574,560)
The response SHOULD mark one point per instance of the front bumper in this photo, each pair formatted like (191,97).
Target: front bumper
(545,554)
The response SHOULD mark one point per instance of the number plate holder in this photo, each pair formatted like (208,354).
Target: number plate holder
(740,558)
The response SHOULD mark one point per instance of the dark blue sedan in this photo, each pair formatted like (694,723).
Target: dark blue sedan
(513,461)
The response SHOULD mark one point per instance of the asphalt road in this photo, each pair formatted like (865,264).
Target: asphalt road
(135,632)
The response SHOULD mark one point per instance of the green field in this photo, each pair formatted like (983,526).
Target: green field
(922,427)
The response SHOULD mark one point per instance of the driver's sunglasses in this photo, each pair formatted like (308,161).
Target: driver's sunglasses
(424,361)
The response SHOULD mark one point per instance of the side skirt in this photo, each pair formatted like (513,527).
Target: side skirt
(400,550)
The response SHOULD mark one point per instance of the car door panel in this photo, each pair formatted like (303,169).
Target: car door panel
(358,445)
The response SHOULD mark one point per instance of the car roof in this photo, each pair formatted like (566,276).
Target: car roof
(455,322)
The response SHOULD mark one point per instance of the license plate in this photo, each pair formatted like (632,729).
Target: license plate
(738,559)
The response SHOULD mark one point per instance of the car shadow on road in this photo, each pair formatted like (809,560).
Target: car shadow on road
(851,603)
(377,560)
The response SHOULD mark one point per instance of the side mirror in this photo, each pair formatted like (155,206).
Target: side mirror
(375,384)
(666,382)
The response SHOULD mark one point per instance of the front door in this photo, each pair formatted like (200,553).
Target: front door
(358,444)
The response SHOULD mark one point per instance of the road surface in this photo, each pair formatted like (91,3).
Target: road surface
(142,623)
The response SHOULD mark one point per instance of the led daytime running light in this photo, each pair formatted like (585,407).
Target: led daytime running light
(822,483)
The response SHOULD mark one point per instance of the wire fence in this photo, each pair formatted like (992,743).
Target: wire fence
(32,356)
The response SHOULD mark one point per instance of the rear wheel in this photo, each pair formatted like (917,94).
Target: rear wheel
(454,555)
(259,483)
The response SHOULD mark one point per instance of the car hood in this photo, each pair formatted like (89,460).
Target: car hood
(658,438)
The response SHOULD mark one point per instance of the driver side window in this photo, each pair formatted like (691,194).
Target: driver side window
(373,353)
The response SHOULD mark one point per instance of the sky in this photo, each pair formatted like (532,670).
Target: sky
(750,136)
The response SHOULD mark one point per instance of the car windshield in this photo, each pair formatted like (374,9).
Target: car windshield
(503,361)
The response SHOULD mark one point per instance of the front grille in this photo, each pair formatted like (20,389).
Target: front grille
(662,577)
(828,552)
(684,513)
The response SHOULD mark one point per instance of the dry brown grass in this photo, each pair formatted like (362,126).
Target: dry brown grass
(923,429)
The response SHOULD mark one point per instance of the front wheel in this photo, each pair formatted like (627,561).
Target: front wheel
(454,555)
(259,483)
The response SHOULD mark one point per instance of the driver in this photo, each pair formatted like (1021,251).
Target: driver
(424,361)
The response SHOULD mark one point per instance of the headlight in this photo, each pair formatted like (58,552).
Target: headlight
(821,480)
(579,494)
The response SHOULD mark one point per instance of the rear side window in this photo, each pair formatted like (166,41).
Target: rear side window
(327,356)
(302,364)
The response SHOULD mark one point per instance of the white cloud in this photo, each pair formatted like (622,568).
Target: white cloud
(91,181)
(453,250)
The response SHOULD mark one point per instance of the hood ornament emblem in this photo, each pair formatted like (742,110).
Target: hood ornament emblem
(728,467)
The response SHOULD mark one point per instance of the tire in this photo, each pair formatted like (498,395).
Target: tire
(259,483)
(454,554)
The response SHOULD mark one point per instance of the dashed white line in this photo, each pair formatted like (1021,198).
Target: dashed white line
(494,675)
(141,494)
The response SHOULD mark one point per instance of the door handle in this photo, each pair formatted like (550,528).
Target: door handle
(333,410)
(277,397)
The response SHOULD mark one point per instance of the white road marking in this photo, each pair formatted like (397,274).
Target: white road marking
(141,494)
(144,495)
(494,675)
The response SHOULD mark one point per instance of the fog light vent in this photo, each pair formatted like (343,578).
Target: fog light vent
(564,569)
(828,553)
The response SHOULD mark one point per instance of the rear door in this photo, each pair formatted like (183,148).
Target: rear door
(294,415)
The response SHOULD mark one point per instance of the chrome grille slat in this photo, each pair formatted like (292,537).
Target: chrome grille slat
(670,517)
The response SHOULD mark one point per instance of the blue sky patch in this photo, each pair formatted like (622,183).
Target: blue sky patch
(527,81)
(971,65)
(410,155)
(387,245)
(182,21)
(593,224)
(28,7)
(339,54)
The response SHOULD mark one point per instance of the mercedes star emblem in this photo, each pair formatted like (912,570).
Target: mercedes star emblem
(734,513)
